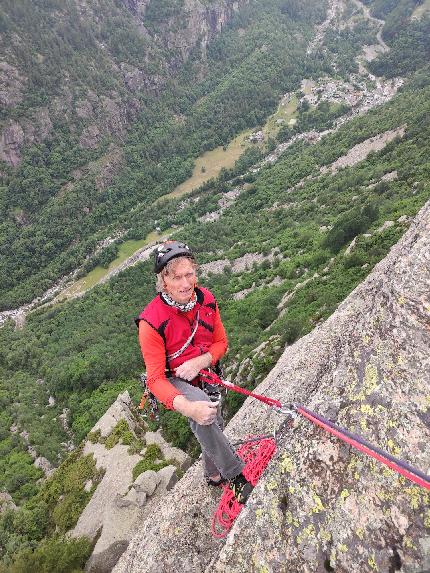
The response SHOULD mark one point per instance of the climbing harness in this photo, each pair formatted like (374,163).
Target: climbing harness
(228,509)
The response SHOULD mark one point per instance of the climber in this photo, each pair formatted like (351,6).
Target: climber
(181,333)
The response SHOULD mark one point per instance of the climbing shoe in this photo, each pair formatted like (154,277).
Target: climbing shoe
(215,482)
(241,488)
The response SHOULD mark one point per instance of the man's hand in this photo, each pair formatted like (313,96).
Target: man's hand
(202,412)
(189,369)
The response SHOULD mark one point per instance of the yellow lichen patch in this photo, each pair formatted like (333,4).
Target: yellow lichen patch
(342,548)
(271,485)
(401,300)
(363,424)
(407,542)
(414,495)
(366,339)
(360,533)
(352,463)
(258,513)
(366,409)
(427,519)
(383,495)
(289,517)
(318,504)
(306,533)
(291,489)
(372,563)
(370,382)
(287,465)
(276,516)
(400,360)
(393,448)
(324,535)
(344,494)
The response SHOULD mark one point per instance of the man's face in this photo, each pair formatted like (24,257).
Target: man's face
(179,283)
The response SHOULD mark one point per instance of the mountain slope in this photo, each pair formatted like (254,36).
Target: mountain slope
(107,111)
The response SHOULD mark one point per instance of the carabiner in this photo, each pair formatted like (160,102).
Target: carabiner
(287,410)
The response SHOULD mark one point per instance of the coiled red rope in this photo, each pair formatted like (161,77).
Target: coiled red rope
(256,453)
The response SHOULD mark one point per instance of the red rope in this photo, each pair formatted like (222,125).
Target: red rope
(356,441)
(363,448)
(212,378)
(256,455)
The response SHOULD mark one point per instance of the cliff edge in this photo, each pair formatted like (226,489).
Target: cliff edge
(322,506)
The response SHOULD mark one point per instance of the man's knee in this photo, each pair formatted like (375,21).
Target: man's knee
(192,393)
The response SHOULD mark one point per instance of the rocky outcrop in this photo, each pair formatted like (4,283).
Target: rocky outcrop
(6,502)
(120,503)
(12,85)
(360,151)
(16,135)
(322,506)
(121,409)
(136,6)
(11,141)
(195,26)
(203,23)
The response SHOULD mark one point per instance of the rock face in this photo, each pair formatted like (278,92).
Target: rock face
(120,410)
(97,117)
(322,506)
(11,85)
(119,504)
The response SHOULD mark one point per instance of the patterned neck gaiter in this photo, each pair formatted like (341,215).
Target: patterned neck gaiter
(182,307)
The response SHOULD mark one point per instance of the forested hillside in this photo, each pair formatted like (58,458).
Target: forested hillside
(109,111)
(92,129)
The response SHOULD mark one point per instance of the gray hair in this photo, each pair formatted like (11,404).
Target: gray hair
(169,269)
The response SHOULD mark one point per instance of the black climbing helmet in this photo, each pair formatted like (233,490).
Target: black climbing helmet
(168,251)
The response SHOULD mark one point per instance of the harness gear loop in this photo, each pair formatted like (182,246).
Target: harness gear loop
(148,399)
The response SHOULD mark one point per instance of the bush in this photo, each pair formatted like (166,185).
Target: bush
(68,510)
(57,554)
(94,437)
(148,462)
(349,225)
(120,431)
(354,260)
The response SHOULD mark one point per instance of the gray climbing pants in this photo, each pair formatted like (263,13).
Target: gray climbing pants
(218,455)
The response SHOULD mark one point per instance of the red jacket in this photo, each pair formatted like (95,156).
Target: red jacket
(164,329)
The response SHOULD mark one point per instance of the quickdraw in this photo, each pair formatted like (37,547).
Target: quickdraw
(148,401)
